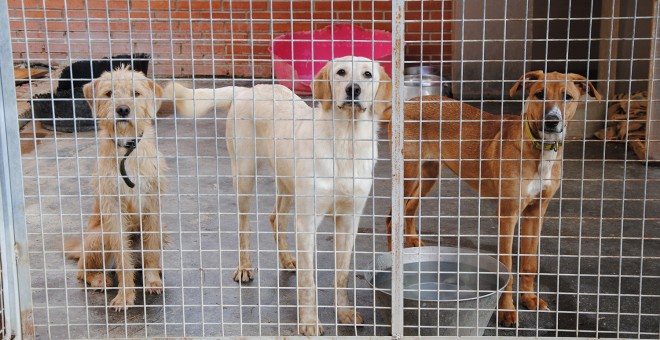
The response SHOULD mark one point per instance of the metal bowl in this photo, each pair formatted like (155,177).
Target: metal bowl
(423,70)
(447,291)
(416,85)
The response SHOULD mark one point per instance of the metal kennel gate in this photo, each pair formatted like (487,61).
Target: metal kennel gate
(599,265)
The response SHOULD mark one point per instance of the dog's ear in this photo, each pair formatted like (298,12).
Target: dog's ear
(383,97)
(584,85)
(158,94)
(322,89)
(528,77)
(89,90)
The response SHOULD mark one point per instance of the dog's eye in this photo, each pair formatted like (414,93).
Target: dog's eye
(539,95)
(136,94)
(568,96)
(367,75)
(341,72)
(108,94)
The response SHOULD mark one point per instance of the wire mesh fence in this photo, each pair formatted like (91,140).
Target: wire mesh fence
(395,208)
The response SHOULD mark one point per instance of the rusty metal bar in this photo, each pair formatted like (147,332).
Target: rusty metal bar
(398,42)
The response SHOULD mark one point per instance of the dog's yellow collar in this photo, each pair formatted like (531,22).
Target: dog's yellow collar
(541,145)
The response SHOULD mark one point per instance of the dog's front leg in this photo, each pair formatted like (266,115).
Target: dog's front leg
(530,228)
(508,213)
(308,321)
(121,251)
(344,241)
(152,247)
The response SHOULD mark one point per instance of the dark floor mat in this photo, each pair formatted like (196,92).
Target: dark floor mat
(85,70)
(63,111)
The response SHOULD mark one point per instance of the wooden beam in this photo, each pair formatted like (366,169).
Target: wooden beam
(608,47)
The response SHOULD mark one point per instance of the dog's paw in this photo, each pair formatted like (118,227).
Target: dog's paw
(98,280)
(310,329)
(507,318)
(122,300)
(308,322)
(287,261)
(243,275)
(414,241)
(349,316)
(154,286)
(533,302)
(506,313)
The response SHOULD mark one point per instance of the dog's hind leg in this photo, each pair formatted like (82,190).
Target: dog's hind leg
(244,180)
(415,186)
(530,227)
(92,256)
(152,247)
(429,178)
(411,184)
(279,222)
(241,144)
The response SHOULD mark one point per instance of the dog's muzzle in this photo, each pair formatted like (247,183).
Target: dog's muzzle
(355,105)
(123,111)
(552,123)
(352,94)
(353,91)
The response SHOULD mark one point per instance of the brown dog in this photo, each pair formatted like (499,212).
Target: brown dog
(128,183)
(514,160)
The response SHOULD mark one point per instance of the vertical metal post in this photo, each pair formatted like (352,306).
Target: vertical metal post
(15,261)
(653,116)
(398,41)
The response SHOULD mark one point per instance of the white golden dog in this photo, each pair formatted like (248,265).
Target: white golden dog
(323,159)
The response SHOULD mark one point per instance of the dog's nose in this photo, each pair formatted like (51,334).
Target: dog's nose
(123,110)
(353,91)
(551,122)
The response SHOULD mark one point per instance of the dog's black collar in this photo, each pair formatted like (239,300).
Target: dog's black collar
(129,146)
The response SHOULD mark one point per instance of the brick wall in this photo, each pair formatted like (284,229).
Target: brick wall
(206,37)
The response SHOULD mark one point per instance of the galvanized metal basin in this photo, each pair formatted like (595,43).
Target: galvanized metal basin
(447,291)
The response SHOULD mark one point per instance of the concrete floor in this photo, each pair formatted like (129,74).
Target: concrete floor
(600,264)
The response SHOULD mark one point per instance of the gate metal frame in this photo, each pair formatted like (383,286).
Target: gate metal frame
(15,272)
(17,295)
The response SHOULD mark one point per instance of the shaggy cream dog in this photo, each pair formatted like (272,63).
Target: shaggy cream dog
(128,183)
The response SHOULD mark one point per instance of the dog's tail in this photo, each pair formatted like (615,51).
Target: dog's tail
(196,102)
(73,248)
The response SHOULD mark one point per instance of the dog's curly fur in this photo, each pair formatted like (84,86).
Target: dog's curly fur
(119,210)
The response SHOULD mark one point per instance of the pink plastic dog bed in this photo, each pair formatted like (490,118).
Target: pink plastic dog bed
(299,56)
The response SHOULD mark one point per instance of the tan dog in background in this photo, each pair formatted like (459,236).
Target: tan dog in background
(323,160)
(517,161)
(128,184)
